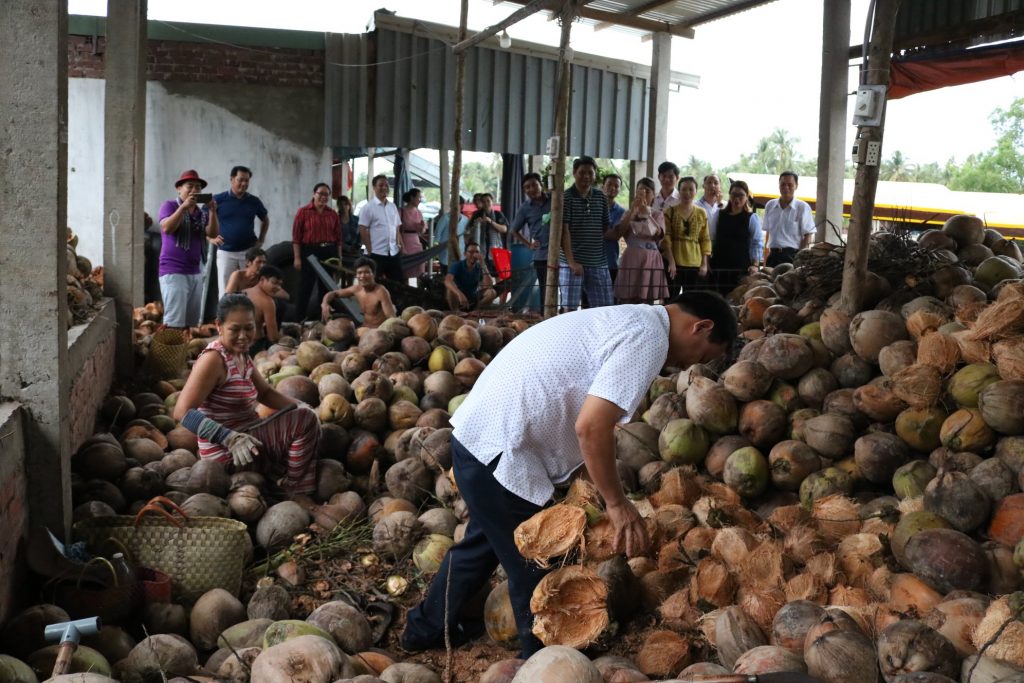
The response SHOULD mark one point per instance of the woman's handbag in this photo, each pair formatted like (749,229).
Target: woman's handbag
(198,553)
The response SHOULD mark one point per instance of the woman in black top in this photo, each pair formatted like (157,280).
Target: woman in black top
(738,245)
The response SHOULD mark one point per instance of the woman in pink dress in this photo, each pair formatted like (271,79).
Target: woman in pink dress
(641,278)
(412,229)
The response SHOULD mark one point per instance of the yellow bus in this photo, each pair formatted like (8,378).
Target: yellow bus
(926,205)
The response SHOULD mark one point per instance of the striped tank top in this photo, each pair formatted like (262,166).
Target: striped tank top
(233,402)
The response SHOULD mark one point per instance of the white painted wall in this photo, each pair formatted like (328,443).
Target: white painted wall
(181,133)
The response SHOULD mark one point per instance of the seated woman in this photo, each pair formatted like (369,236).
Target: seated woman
(218,404)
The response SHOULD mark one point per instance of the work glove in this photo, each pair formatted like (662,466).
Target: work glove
(243,448)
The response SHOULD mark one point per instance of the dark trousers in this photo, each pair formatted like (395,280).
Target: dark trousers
(310,282)
(780,255)
(494,514)
(542,279)
(687,280)
(389,267)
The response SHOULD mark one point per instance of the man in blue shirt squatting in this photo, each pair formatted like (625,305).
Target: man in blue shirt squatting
(543,412)
(237,211)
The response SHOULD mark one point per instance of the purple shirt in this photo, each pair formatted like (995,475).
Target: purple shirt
(173,259)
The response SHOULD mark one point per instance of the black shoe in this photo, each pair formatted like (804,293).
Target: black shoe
(414,643)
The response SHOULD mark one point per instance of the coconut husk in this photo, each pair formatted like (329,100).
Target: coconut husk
(787,517)
(761,605)
(877,526)
(1011,290)
(583,493)
(803,542)
(843,595)
(858,556)
(722,493)
(878,583)
(677,613)
(732,545)
(822,565)
(697,541)
(835,517)
(664,653)
(1004,318)
(1008,355)
(672,522)
(1009,646)
(919,385)
(551,533)
(806,587)
(763,567)
(923,322)
(678,486)
(968,313)
(672,556)
(939,351)
(599,541)
(971,350)
(908,505)
(569,607)
(707,626)
(747,519)
(712,585)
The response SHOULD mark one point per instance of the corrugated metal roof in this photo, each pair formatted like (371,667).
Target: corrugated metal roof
(934,25)
(391,87)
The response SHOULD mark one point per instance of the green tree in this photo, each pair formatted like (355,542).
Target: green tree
(1000,169)
(698,168)
(897,168)
(774,153)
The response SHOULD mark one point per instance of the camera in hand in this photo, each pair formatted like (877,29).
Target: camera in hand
(203,198)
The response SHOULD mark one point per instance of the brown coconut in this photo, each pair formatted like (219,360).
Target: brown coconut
(947,560)
(792,622)
(790,462)
(814,386)
(832,435)
(786,356)
(570,607)
(896,356)
(841,656)
(878,400)
(735,633)
(908,646)
(747,380)
(878,455)
(871,331)
(763,423)
(710,406)
(958,500)
(835,331)
(663,654)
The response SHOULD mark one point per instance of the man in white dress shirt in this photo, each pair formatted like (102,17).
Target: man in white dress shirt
(545,406)
(787,221)
(668,178)
(378,229)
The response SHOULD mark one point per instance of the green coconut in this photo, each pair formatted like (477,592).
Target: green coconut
(994,270)
(746,472)
(430,551)
(910,480)
(827,482)
(14,670)
(1001,405)
(442,358)
(286,629)
(84,660)
(921,427)
(965,385)
(683,442)
(454,404)
(966,430)
(785,396)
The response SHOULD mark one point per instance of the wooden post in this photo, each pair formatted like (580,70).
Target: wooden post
(855,265)
(455,206)
(558,190)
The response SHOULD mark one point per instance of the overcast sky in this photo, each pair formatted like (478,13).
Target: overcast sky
(759,70)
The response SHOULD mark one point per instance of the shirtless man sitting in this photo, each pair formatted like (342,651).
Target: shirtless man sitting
(264,297)
(373,298)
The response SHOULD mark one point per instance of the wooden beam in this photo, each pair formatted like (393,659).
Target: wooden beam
(532,7)
(455,201)
(855,263)
(569,10)
(631,20)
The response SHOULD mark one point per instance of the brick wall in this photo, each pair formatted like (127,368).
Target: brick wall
(180,61)
(13,508)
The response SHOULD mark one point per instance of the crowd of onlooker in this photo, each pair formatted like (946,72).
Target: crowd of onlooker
(665,241)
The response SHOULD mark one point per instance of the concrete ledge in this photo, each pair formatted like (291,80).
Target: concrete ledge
(91,350)
(13,508)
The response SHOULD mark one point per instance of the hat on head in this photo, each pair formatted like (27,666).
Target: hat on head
(188,175)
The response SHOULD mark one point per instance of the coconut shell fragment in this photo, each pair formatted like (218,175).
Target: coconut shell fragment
(570,607)
(551,533)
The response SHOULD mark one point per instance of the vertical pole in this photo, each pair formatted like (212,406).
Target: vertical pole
(835,36)
(855,264)
(561,129)
(657,107)
(124,162)
(444,168)
(34,366)
(455,201)
(369,173)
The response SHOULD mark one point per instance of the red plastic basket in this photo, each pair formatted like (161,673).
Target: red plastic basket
(502,262)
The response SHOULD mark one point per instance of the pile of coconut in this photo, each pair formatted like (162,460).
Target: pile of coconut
(384,496)
(85,284)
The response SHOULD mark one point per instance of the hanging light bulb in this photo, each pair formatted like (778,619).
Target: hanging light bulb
(505,40)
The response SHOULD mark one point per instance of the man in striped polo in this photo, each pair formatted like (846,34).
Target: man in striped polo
(582,265)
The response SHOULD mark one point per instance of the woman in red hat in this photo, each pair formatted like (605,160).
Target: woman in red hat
(184,227)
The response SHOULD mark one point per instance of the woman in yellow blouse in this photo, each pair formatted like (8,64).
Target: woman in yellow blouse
(687,240)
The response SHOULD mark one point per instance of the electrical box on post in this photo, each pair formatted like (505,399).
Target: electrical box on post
(874,153)
(552,146)
(867,108)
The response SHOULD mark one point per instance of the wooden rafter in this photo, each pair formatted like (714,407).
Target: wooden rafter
(642,9)
(630,20)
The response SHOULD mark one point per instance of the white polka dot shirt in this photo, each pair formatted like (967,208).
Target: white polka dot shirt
(525,404)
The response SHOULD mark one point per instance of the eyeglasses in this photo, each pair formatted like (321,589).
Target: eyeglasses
(322,194)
